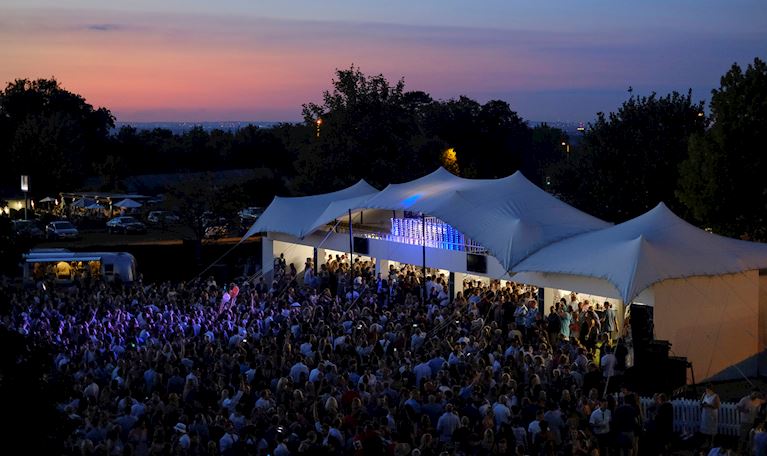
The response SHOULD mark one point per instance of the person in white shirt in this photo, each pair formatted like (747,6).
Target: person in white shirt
(600,424)
(421,371)
(447,424)
(501,412)
(534,428)
(748,407)
(297,370)
(317,373)
(607,363)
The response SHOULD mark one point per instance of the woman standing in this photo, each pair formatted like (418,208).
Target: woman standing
(709,418)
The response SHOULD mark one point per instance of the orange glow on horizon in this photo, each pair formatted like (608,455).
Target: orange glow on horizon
(142,68)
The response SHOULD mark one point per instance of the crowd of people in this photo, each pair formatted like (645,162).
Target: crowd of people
(343,360)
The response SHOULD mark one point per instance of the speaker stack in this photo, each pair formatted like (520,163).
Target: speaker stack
(654,371)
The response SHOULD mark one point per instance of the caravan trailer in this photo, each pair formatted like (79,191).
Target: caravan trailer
(63,266)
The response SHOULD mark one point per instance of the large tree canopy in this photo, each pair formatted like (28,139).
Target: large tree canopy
(50,134)
(365,127)
(369,128)
(722,181)
(628,160)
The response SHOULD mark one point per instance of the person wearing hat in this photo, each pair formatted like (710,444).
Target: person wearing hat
(182,438)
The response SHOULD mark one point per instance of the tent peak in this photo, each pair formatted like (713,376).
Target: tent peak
(442,170)
(661,206)
(362,181)
(518,175)
(660,212)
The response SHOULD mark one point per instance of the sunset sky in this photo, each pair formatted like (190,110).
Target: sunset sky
(194,60)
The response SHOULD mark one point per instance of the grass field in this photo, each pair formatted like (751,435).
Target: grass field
(169,254)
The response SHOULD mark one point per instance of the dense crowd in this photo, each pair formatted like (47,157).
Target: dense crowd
(336,360)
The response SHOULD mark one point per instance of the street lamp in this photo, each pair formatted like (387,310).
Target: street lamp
(25,189)
(567,148)
(319,123)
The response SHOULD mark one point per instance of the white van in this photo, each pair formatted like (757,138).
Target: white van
(63,266)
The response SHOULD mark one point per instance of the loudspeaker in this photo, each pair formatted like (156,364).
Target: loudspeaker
(476,263)
(641,324)
(662,377)
(361,246)
(651,353)
(676,372)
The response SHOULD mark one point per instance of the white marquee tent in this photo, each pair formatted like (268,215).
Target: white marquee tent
(705,289)
(298,216)
(511,217)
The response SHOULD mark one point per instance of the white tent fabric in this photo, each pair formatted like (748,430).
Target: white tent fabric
(648,249)
(127,203)
(297,216)
(338,208)
(511,217)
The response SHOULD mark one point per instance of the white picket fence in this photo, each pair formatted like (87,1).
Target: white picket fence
(687,416)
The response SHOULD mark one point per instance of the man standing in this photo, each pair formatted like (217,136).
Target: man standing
(501,412)
(553,326)
(565,320)
(609,321)
(607,363)
(447,424)
(520,316)
(664,422)
(600,424)
(748,407)
(626,424)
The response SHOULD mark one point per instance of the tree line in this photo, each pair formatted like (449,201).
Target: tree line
(707,166)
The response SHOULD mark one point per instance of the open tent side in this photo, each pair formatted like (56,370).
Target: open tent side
(705,289)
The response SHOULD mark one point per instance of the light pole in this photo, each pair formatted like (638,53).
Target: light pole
(25,189)
(319,124)
(567,149)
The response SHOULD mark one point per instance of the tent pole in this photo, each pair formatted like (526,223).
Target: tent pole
(351,253)
(423,253)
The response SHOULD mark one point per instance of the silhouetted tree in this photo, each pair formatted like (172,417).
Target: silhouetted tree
(49,133)
(367,128)
(544,151)
(722,181)
(629,160)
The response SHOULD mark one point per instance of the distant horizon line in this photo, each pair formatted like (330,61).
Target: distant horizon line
(200,122)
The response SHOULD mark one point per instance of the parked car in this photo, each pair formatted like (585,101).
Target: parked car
(162,217)
(216,231)
(125,224)
(251,213)
(215,227)
(61,229)
(27,229)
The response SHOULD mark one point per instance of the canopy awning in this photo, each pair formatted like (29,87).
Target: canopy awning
(127,203)
(83,202)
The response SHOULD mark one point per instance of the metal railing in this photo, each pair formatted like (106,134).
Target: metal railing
(468,247)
